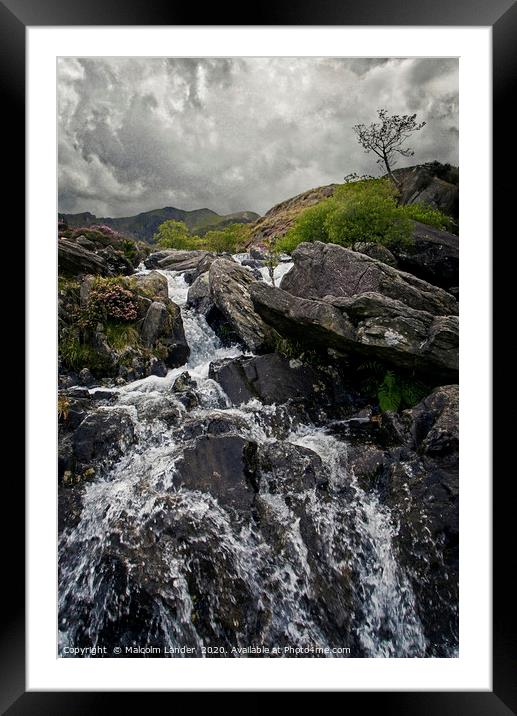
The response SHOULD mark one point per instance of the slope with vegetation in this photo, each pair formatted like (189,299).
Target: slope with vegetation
(143,226)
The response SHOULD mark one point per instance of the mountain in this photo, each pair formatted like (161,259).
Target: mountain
(144,225)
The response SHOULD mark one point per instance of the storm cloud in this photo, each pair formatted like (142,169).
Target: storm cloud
(136,134)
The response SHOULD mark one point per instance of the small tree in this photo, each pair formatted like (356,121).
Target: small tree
(387,137)
(173,235)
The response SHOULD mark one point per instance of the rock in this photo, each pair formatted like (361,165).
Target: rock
(85,289)
(117,263)
(101,438)
(329,270)
(230,291)
(366,463)
(215,422)
(155,323)
(376,251)
(85,243)
(153,285)
(420,185)
(157,367)
(178,350)
(223,466)
(432,256)
(284,468)
(252,263)
(176,260)
(367,326)
(163,324)
(183,382)
(151,261)
(73,260)
(198,296)
(69,506)
(86,377)
(274,379)
(417,477)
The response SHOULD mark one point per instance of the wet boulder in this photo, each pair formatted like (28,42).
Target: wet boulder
(223,466)
(272,378)
(230,291)
(285,468)
(101,438)
(198,296)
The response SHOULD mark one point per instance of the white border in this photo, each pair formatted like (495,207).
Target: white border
(472,670)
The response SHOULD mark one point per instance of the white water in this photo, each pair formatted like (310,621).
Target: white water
(287,593)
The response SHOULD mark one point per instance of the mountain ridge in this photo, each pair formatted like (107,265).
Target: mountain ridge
(142,226)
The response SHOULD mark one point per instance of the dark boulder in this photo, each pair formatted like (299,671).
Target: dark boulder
(101,438)
(421,185)
(179,260)
(433,255)
(417,477)
(223,466)
(198,296)
(376,251)
(284,468)
(274,379)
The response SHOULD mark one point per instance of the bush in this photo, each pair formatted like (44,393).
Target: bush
(109,299)
(432,217)
(364,210)
(173,235)
(231,239)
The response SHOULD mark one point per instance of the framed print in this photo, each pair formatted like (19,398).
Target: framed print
(259,353)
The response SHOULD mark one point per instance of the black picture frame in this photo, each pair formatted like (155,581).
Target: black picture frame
(501,15)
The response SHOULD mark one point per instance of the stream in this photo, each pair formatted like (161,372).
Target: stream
(154,568)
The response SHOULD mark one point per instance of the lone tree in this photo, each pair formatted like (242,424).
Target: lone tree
(387,137)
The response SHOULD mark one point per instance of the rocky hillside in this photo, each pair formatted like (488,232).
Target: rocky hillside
(422,183)
(144,225)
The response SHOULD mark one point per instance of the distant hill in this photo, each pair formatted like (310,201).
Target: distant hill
(143,226)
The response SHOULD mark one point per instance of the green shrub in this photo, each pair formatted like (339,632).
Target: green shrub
(365,210)
(427,215)
(173,235)
(231,239)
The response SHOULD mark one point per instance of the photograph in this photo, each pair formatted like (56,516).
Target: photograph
(257,357)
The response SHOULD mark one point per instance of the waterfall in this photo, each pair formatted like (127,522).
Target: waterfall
(164,568)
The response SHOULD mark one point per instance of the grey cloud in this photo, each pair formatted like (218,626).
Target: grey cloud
(233,134)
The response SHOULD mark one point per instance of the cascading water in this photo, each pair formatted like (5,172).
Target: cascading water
(175,572)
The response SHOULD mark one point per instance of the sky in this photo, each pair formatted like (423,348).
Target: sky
(240,134)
